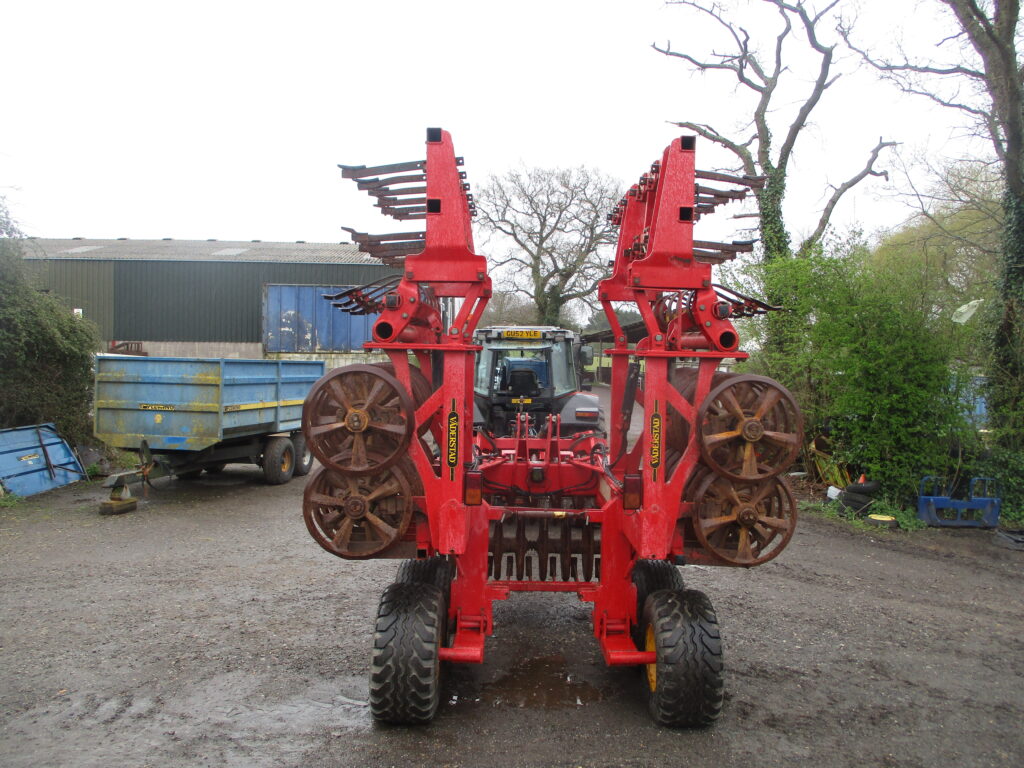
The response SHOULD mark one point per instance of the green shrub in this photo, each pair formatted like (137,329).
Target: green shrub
(46,353)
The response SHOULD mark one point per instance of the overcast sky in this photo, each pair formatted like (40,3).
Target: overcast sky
(226,120)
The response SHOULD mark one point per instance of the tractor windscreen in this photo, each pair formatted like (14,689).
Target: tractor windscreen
(550,362)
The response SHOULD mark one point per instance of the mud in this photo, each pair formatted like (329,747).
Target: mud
(207,628)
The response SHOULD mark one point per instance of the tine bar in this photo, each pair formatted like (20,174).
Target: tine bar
(754,182)
(362,171)
(363,237)
(736,246)
(375,183)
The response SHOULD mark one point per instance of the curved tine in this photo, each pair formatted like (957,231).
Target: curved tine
(712,524)
(324,428)
(334,385)
(722,437)
(777,524)
(749,461)
(330,521)
(398,430)
(743,550)
(770,399)
(374,393)
(785,439)
(382,528)
(358,459)
(324,500)
(343,535)
(353,485)
(732,404)
(387,489)
(762,491)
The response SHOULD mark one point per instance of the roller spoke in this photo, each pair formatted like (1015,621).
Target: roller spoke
(775,523)
(770,399)
(712,524)
(344,534)
(381,527)
(785,439)
(390,489)
(323,429)
(749,461)
(722,437)
(743,551)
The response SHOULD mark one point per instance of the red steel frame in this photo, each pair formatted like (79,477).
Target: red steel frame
(654,262)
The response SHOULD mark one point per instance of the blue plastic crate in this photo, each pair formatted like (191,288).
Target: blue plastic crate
(936,507)
(36,459)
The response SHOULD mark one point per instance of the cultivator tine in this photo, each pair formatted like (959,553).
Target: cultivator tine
(754,182)
(371,184)
(390,248)
(362,171)
(715,253)
(364,300)
(741,305)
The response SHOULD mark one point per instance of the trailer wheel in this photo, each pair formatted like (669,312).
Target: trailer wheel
(650,576)
(303,456)
(685,686)
(432,570)
(278,460)
(405,682)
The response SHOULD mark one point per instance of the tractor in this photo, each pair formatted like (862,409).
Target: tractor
(536,370)
(470,456)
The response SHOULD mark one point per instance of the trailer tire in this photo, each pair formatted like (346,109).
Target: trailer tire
(192,474)
(405,683)
(303,456)
(432,570)
(650,576)
(685,686)
(278,460)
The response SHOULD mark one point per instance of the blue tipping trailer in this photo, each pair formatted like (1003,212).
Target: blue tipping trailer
(184,415)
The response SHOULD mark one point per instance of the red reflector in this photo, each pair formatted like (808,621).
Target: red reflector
(632,491)
(472,492)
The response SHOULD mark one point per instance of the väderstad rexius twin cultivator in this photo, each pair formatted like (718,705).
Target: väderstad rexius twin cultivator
(411,468)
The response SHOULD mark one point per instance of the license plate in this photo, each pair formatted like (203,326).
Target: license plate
(520,334)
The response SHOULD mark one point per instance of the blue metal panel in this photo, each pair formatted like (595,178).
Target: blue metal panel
(296,318)
(35,459)
(190,404)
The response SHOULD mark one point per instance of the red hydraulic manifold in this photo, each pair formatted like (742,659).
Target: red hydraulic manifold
(475,517)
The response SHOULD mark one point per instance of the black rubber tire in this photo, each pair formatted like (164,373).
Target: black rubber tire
(215,469)
(431,570)
(868,488)
(650,576)
(405,681)
(303,456)
(278,460)
(192,474)
(688,685)
(854,502)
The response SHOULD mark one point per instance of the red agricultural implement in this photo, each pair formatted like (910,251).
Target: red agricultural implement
(407,474)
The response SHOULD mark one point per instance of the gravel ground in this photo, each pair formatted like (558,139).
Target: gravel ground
(207,628)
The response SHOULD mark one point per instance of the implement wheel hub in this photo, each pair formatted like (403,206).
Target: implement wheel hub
(356,507)
(746,516)
(357,420)
(753,430)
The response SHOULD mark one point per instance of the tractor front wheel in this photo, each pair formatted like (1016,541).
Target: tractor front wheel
(405,671)
(685,686)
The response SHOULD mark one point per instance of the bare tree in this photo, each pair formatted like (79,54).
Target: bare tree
(982,77)
(764,75)
(557,222)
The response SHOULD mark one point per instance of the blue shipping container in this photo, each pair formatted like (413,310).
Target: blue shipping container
(36,459)
(297,318)
(188,404)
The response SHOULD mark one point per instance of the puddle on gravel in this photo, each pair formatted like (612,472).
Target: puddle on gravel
(541,683)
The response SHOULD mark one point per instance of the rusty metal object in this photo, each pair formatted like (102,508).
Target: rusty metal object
(749,428)
(544,545)
(744,524)
(356,517)
(357,419)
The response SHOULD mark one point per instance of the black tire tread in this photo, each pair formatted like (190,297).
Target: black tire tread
(430,570)
(404,680)
(273,452)
(302,468)
(650,576)
(690,685)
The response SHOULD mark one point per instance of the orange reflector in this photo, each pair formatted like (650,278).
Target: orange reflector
(472,492)
(632,491)
(587,414)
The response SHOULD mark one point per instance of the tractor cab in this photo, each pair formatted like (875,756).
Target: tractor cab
(532,370)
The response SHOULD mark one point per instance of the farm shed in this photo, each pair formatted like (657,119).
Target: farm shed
(199,298)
